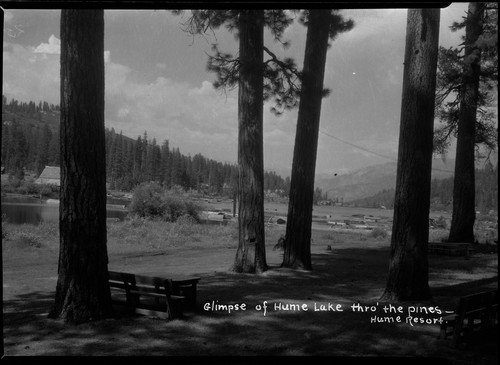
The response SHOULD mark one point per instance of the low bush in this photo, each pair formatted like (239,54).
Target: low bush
(28,187)
(146,201)
(48,230)
(186,219)
(29,239)
(150,200)
(13,185)
(379,233)
(5,235)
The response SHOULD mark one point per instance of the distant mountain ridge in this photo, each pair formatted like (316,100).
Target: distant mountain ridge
(371,180)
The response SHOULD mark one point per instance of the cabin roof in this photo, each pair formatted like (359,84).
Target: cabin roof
(51,172)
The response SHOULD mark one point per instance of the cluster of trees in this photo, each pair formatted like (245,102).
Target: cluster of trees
(466,75)
(30,108)
(384,198)
(261,75)
(132,162)
(30,145)
(486,190)
(82,294)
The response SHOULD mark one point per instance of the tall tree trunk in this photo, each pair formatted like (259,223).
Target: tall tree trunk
(408,271)
(251,254)
(82,292)
(297,246)
(464,205)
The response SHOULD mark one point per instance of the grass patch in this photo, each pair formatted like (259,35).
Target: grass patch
(28,235)
(342,237)
(151,234)
(142,234)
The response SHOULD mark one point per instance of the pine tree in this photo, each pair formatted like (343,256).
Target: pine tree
(17,148)
(82,291)
(42,158)
(165,163)
(408,270)
(54,149)
(6,141)
(137,166)
(321,25)
(464,207)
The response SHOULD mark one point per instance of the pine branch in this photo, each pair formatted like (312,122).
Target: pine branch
(288,69)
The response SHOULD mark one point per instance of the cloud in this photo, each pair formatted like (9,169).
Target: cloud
(372,24)
(53,47)
(33,73)
(197,119)
(29,76)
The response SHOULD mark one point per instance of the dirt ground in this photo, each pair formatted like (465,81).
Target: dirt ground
(349,273)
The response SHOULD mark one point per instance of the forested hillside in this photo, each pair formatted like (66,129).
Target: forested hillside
(442,192)
(30,141)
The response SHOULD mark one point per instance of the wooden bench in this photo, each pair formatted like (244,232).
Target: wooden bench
(155,296)
(450,249)
(481,307)
(186,287)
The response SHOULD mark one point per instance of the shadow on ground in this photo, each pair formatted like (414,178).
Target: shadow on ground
(344,276)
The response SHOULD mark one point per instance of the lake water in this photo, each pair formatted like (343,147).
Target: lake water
(34,211)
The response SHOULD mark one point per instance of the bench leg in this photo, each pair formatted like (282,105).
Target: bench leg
(442,332)
(189,291)
(457,333)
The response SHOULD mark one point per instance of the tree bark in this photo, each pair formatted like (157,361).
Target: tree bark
(251,254)
(82,292)
(464,190)
(408,271)
(297,246)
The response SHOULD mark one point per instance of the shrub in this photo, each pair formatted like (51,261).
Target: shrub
(193,210)
(29,239)
(15,180)
(378,233)
(186,225)
(187,220)
(29,187)
(175,207)
(151,201)
(146,200)
(5,235)
(8,188)
(48,230)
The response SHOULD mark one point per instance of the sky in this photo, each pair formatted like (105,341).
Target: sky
(156,81)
